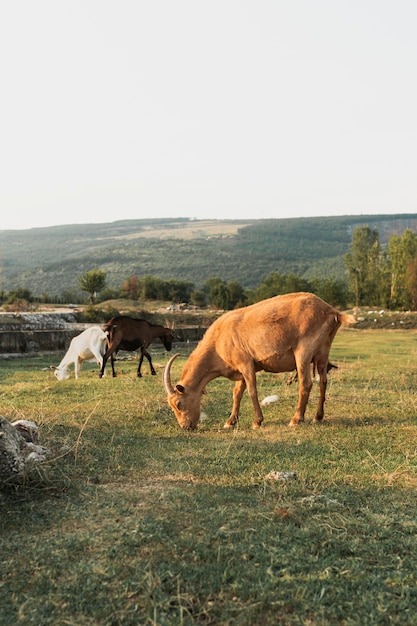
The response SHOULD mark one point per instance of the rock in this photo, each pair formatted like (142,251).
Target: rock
(28,430)
(269,400)
(18,445)
(283,476)
(12,449)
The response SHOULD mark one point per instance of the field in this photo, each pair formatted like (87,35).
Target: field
(133,521)
(193,229)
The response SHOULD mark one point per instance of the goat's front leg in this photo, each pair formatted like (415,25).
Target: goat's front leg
(148,356)
(139,373)
(99,359)
(248,381)
(238,391)
(106,356)
(250,378)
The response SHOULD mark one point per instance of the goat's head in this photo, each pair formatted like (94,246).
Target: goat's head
(185,403)
(60,373)
(167,338)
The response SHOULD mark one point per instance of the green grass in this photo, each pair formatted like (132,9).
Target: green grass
(134,521)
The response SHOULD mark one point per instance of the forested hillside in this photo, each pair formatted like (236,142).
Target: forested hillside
(50,260)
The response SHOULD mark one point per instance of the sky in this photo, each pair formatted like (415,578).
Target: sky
(216,109)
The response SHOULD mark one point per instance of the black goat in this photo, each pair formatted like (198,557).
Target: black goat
(294,376)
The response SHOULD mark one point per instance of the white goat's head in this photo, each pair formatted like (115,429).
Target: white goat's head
(60,373)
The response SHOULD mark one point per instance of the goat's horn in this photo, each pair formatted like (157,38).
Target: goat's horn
(169,388)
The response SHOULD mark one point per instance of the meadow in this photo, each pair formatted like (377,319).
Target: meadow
(133,521)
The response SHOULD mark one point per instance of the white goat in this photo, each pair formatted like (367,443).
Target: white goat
(90,345)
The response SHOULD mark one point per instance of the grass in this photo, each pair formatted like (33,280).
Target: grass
(134,521)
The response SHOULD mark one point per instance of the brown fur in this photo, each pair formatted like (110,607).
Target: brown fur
(276,335)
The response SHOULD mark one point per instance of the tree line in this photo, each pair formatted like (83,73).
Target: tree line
(382,276)
(216,292)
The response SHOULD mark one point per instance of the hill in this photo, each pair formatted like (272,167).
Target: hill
(50,260)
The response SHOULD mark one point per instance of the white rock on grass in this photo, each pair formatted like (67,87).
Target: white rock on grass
(269,400)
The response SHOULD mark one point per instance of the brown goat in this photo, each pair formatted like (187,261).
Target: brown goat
(127,333)
(276,335)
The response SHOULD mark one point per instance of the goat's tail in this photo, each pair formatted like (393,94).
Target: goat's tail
(109,327)
(346,319)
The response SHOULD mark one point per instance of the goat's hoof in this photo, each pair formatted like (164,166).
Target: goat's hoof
(256,425)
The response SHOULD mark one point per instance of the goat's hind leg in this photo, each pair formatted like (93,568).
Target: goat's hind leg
(304,377)
(322,371)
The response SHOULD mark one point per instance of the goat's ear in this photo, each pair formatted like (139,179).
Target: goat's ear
(180,388)
(53,367)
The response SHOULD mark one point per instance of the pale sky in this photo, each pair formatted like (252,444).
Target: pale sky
(207,109)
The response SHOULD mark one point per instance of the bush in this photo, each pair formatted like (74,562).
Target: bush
(92,315)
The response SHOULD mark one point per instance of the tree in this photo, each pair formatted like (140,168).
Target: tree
(130,287)
(92,282)
(332,291)
(278,284)
(198,298)
(237,294)
(272,285)
(362,263)
(219,295)
(225,295)
(401,251)
(21,294)
(412,281)
(179,290)
(294,283)
(151,288)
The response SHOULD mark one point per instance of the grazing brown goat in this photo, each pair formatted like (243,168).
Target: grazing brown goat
(276,335)
(127,333)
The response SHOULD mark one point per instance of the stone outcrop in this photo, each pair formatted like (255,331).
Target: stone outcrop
(29,333)
(18,446)
(24,333)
